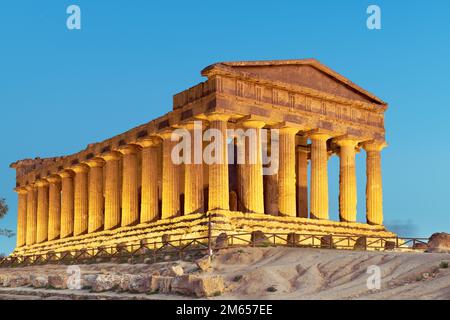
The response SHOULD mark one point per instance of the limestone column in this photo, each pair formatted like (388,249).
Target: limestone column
(96,199)
(286,172)
(302,180)
(347,180)
(42,211)
(149,179)
(218,195)
(81,205)
(374,187)
(130,197)
(193,171)
(54,203)
(31,215)
(21,217)
(112,190)
(170,179)
(253,190)
(67,203)
(319,176)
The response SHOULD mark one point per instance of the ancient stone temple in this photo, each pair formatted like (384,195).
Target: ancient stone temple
(127,188)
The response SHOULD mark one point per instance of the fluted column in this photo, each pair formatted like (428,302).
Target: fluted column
(302,181)
(218,195)
(170,179)
(81,205)
(67,203)
(21,217)
(374,187)
(347,180)
(54,204)
(149,179)
(31,214)
(96,199)
(286,172)
(112,190)
(130,197)
(42,211)
(193,171)
(319,176)
(253,190)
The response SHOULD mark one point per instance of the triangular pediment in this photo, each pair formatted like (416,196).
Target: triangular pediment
(307,73)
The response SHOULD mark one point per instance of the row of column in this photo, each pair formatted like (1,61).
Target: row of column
(80,200)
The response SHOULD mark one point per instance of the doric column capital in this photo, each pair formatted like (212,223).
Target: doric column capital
(319,134)
(217,116)
(129,149)
(346,141)
(80,168)
(95,162)
(374,145)
(54,178)
(30,187)
(66,173)
(253,124)
(21,190)
(41,183)
(149,141)
(166,134)
(191,125)
(110,156)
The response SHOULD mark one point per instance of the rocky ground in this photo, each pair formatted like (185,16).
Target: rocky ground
(243,273)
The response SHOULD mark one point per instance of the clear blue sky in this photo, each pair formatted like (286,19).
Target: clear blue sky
(61,89)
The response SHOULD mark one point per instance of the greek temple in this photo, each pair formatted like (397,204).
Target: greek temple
(127,189)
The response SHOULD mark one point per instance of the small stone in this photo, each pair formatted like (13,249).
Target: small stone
(259,238)
(327,242)
(420,246)
(360,243)
(165,239)
(57,281)
(125,280)
(203,263)
(221,241)
(176,270)
(389,245)
(39,281)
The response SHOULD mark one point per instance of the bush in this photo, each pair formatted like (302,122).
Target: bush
(3,208)
(443,265)
(237,278)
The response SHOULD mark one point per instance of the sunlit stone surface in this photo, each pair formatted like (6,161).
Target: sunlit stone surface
(128,188)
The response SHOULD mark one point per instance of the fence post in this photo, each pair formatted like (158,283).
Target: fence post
(209,235)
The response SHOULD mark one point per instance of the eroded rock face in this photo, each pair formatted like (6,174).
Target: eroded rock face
(161,284)
(139,283)
(106,282)
(57,281)
(439,242)
(39,281)
(14,280)
(88,281)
